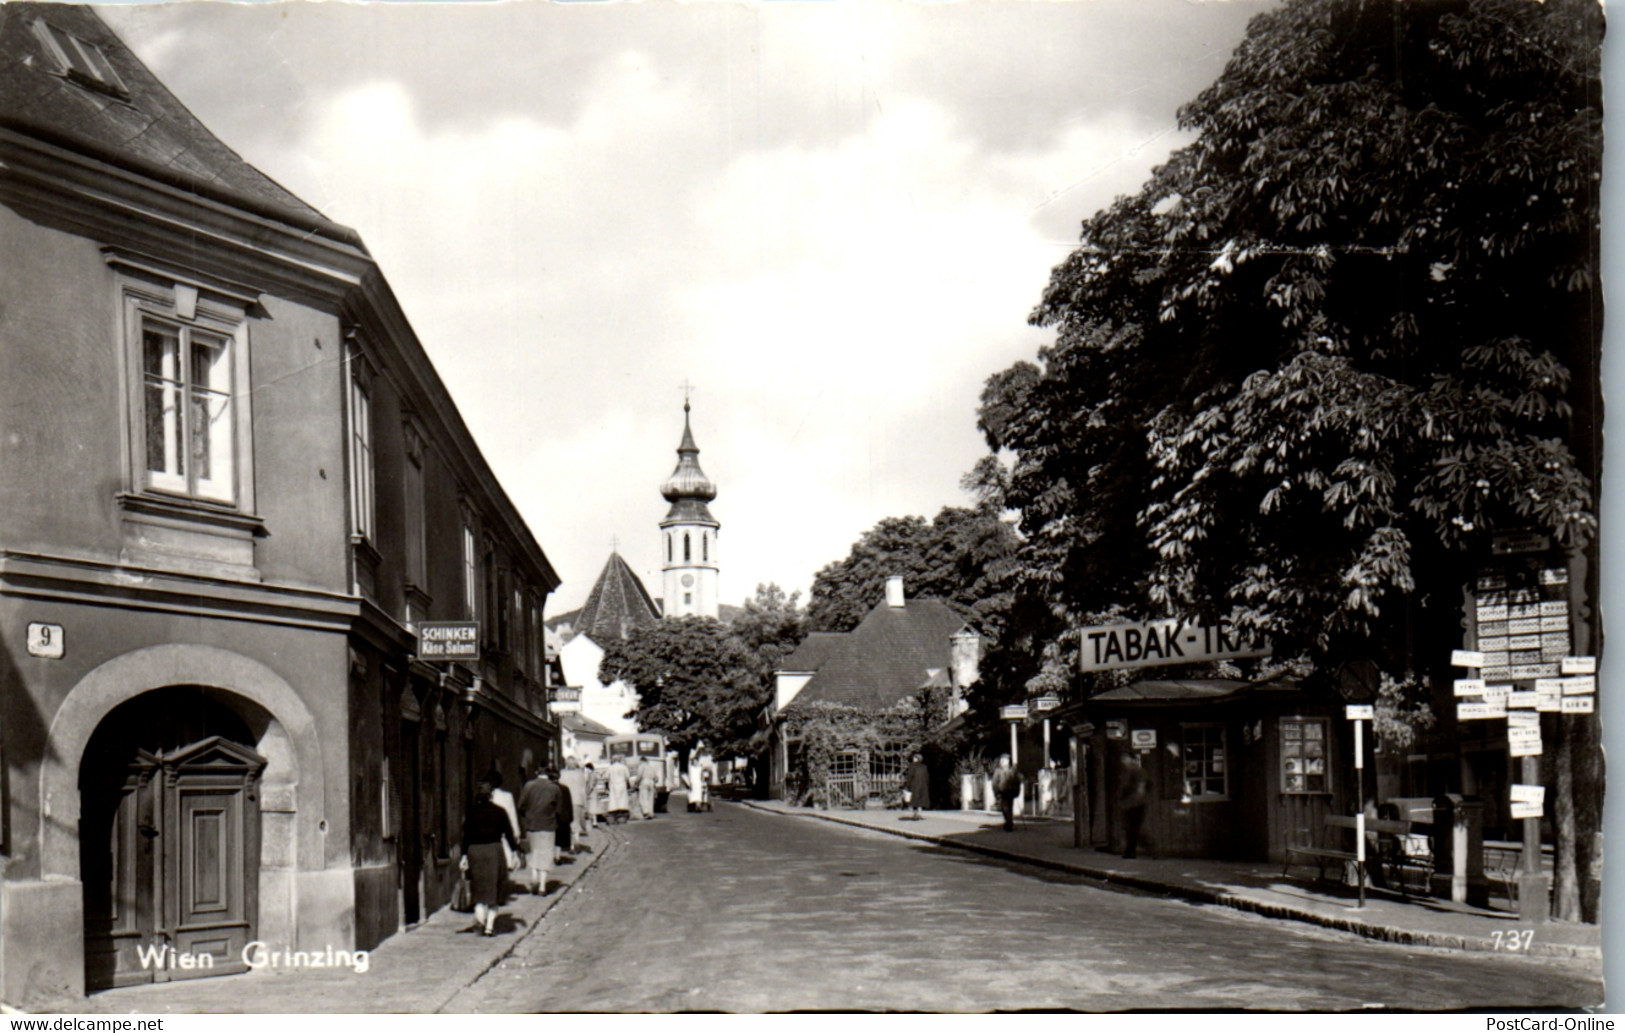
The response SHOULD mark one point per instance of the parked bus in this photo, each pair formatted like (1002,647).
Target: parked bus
(639,746)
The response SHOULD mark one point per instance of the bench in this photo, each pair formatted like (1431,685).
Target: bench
(1397,849)
(1503,862)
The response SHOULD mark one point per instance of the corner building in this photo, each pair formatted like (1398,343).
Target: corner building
(232,484)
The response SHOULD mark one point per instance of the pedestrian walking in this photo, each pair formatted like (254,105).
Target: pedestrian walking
(485,829)
(619,781)
(539,813)
(917,787)
(1134,796)
(574,778)
(597,794)
(649,775)
(699,778)
(1007,786)
(504,799)
(563,852)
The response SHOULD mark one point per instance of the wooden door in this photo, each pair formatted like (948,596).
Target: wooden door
(210,859)
(118,836)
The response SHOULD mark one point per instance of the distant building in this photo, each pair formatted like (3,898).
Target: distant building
(617,604)
(233,490)
(902,650)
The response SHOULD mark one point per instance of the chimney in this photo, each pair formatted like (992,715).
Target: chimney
(894,591)
(966,652)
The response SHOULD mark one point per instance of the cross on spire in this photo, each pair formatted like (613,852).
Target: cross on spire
(687,390)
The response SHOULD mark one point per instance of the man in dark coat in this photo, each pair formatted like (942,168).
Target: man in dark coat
(1007,786)
(917,787)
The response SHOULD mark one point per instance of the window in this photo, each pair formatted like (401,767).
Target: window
(688,598)
(491,600)
(80,60)
(362,483)
(471,593)
(1303,755)
(417,542)
(188,411)
(705,548)
(688,549)
(668,548)
(1203,755)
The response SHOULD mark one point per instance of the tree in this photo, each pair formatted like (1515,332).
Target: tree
(1331,346)
(959,557)
(695,681)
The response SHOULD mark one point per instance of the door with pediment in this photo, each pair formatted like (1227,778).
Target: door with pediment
(169,844)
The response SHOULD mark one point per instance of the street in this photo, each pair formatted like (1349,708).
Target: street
(738,910)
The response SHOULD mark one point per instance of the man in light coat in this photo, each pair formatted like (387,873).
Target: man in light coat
(620,784)
(574,778)
(649,774)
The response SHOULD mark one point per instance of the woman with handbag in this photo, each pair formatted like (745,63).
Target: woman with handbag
(485,829)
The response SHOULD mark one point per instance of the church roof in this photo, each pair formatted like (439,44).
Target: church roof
(885,659)
(617,603)
(688,489)
(67,79)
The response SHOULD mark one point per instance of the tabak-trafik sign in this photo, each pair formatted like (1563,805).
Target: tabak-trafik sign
(1115,647)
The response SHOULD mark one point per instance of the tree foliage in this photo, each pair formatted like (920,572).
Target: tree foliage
(1330,345)
(700,680)
(962,556)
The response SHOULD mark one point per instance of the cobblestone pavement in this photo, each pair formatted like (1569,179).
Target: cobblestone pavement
(739,910)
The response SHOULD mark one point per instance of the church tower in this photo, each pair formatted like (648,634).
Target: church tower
(688,545)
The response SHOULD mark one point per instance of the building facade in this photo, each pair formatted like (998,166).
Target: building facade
(232,488)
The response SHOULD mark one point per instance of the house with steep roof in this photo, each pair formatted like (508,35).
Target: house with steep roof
(907,653)
(617,604)
(235,491)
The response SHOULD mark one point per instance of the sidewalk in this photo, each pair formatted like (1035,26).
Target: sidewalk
(1246,886)
(418,970)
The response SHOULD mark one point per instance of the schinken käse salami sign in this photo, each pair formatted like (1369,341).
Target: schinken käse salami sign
(448,640)
(1114,647)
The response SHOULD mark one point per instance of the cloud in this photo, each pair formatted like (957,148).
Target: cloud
(834,218)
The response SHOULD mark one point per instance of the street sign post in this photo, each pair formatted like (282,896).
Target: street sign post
(1015,714)
(1360,715)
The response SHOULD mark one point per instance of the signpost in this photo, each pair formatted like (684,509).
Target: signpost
(1360,714)
(1043,705)
(1015,714)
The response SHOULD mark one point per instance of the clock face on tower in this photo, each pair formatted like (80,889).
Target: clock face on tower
(688,580)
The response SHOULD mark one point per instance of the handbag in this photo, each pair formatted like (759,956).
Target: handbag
(462,895)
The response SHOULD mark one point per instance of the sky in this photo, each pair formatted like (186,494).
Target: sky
(832,219)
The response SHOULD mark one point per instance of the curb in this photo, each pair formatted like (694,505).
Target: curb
(464,982)
(1264,908)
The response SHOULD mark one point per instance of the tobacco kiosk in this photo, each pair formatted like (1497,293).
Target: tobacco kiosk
(1238,770)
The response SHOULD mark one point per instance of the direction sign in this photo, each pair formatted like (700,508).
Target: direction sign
(1469,686)
(1143,738)
(1043,703)
(1015,712)
(1579,665)
(1466,658)
(1579,704)
(1360,712)
(1584,685)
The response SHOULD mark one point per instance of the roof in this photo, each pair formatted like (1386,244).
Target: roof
(813,651)
(1169,691)
(580,724)
(885,659)
(145,128)
(617,604)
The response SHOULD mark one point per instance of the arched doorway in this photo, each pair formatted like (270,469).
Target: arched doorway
(169,835)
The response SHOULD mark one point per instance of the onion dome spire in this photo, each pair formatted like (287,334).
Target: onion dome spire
(688,489)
